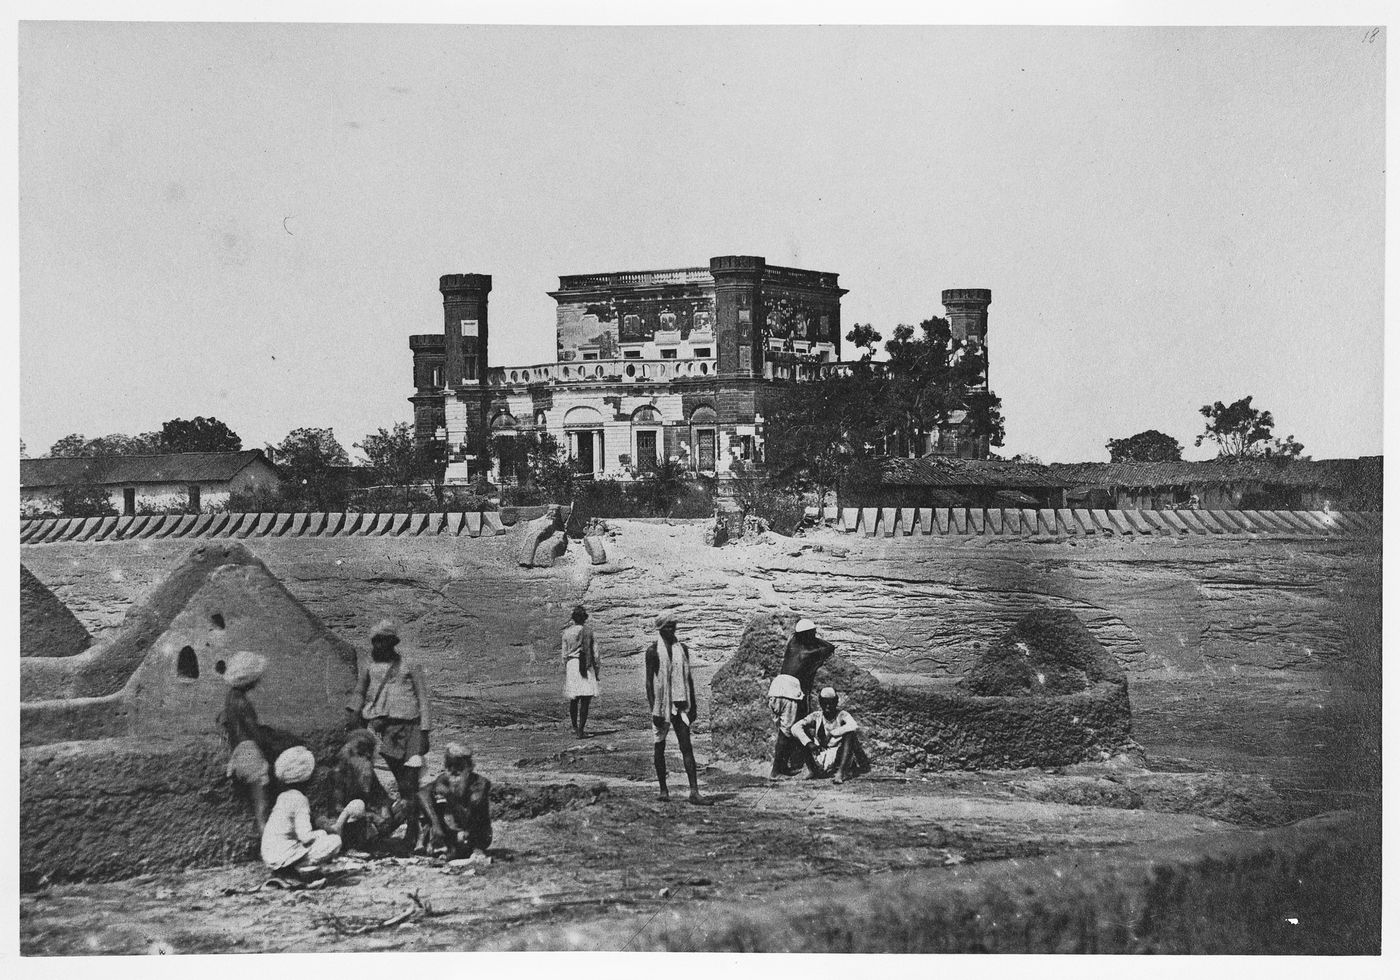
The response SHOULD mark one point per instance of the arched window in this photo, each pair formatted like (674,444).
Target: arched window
(646,415)
(703,415)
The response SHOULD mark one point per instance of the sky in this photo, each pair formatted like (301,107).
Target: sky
(249,220)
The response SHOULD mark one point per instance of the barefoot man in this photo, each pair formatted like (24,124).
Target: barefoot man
(788,694)
(671,693)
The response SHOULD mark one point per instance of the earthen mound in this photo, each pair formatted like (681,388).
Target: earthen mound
(906,728)
(161,672)
(47,628)
(1048,652)
(740,721)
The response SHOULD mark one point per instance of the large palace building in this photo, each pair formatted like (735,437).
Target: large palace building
(668,363)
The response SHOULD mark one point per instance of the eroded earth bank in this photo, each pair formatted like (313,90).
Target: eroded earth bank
(1252,670)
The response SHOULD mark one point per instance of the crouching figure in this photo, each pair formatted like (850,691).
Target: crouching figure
(290,847)
(367,815)
(458,805)
(828,736)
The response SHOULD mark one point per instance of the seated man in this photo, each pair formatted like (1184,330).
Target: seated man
(458,805)
(352,779)
(290,847)
(829,738)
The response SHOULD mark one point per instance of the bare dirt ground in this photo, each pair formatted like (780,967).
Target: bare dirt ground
(586,855)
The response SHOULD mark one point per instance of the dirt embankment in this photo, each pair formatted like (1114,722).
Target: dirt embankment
(1241,659)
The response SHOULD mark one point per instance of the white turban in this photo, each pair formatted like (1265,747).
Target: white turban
(295,765)
(244,668)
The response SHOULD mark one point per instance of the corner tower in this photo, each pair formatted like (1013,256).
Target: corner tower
(738,313)
(466,335)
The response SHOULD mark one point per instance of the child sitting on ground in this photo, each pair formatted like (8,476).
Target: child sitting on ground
(290,847)
(458,805)
(353,778)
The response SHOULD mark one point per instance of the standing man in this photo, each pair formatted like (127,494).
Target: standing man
(671,693)
(788,694)
(391,700)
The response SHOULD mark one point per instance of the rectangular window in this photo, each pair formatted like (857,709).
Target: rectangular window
(436,378)
(669,353)
(746,316)
(646,449)
(129,501)
(702,352)
(631,325)
(631,353)
(469,369)
(469,328)
(590,357)
(194,498)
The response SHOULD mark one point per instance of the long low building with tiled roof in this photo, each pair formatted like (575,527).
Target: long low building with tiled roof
(193,481)
(1271,483)
(933,481)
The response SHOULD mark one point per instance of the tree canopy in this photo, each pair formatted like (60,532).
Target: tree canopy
(1148,446)
(199,435)
(1241,431)
(196,435)
(114,444)
(313,462)
(823,433)
(397,460)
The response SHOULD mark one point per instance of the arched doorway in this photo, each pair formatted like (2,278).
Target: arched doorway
(583,425)
(647,442)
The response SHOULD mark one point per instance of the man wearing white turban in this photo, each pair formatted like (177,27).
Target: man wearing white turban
(290,847)
(671,694)
(250,743)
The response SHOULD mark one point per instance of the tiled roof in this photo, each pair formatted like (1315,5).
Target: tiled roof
(1329,473)
(127,470)
(949,471)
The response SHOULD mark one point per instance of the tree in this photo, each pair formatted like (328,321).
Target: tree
(395,457)
(309,458)
(69,446)
(199,435)
(1148,446)
(554,472)
(815,430)
(864,337)
(933,377)
(1242,431)
(115,444)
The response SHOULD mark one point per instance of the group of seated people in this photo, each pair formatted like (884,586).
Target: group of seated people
(360,814)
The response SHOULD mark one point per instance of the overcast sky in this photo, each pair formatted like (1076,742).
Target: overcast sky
(248,221)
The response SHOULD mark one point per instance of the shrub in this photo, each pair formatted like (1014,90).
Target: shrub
(85,500)
(258,499)
(457,499)
(523,497)
(783,510)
